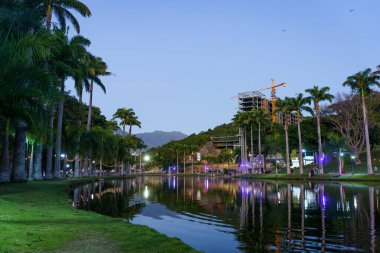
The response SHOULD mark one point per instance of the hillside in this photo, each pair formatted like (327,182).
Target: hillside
(159,138)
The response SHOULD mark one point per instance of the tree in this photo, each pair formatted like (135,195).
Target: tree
(25,92)
(284,107)
(96,67)
(298,105)
(259,118)
(362,83)
(318,95)
(67,57)
(347,118)
(242,120)
(61,10)
(127,117)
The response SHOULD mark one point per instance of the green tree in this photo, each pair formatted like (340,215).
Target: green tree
(284,107)
(299,104)
(362,83)
(317,96)
(61,10)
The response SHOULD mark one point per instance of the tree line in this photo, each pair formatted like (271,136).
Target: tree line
(348,116)
(37,116)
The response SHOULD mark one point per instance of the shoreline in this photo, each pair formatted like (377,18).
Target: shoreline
(39,217)
(336,178)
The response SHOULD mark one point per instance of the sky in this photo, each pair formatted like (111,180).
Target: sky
(178,63)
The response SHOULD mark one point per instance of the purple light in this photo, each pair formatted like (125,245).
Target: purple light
(324,201)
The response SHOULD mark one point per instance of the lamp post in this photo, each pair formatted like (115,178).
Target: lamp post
(352,164)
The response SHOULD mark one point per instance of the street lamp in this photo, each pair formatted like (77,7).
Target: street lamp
(352,164)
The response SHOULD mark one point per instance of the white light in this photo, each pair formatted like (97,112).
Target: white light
(92,196)
(146,192)
(67,165)
(63,155)
(303,150)
(353,157)
(146,158)
(341,154)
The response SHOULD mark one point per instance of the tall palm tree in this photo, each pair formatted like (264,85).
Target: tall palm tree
(127,118)
(96,67)
(317,96)
(362,83)
(284,107)
(67,58)
(242,120)
(300,104)
(61,10)
(260,119)
(25,92)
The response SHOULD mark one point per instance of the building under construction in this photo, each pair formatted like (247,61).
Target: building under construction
(257,100)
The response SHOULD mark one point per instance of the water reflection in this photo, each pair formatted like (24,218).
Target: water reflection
(228,215)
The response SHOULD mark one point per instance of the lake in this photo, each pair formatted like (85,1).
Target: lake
(215,214)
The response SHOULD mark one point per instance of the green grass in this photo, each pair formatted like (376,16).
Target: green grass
(38,217)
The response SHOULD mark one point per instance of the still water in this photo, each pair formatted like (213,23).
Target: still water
(234,215)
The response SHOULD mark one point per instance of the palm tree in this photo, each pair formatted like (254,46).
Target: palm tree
(362,83)
(242,120)
(300,104)
(318,95)
(67,57)
(61,10)
(25,92)
(260,118)
(96,67)
(285,108)
(127,118)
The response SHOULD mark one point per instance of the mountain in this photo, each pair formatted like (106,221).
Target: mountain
(159,138)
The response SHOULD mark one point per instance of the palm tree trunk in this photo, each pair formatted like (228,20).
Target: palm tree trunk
(130,130)
(192,163)
(77,166)
(184,162)
(37,166)
(367,143)
(4,159)
(57,164)
(49,151)
(31,163)
(320,153)
(177,162)
(90,108)
(300,159)
(19,170)
(287,150)
(259,138)
(252,141)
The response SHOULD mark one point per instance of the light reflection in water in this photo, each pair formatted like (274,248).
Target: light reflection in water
(228,215)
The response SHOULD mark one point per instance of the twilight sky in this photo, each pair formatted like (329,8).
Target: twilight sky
(177,63)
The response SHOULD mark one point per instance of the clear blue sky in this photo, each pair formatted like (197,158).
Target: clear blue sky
(177,63)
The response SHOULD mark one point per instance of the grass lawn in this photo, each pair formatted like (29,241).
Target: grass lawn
(38,217)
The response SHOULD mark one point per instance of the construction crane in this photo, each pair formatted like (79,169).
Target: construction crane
(273,96)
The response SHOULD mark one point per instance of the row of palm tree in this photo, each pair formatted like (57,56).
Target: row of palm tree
(37,57)
(361,83)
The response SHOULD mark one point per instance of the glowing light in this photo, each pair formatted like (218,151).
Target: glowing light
(92,196)
(355,203)
(146,192)
(353,157)
(67,165)
(63,155)
(146,158)
(303,150)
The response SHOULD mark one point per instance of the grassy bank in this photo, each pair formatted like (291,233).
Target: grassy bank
(38,217)
(350,178)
